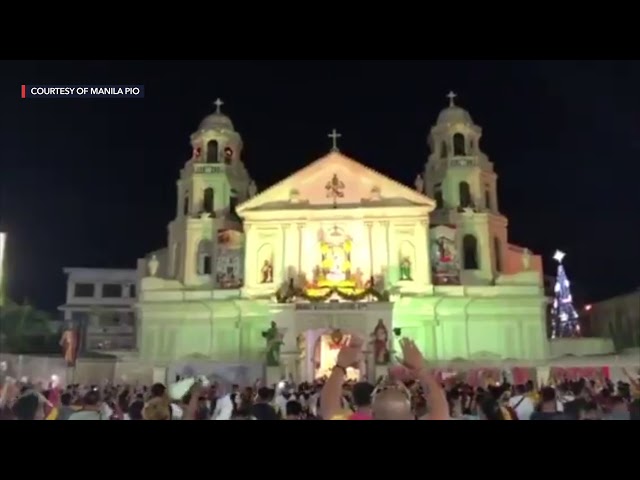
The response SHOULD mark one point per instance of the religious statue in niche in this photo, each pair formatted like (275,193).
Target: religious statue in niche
(267,272)
(228,155)
(380,343)
(444,255)
(337,339)
(335,266)
(229,259)
(405,269)
(274,338)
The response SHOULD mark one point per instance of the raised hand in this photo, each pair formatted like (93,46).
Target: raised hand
(411,356)
(351,353)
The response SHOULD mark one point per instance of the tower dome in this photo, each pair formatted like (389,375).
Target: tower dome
(216,120)
(454,114)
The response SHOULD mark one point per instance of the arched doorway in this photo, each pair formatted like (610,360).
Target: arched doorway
(319,351)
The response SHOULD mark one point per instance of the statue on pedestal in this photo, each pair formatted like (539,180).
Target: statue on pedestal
(380,342)
(69,344)
(419,183)
(267,272)
(274,337)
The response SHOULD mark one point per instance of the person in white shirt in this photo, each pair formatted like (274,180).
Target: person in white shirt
(224,408)
(281,401)
(522,404)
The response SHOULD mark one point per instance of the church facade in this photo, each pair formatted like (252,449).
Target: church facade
(283,277)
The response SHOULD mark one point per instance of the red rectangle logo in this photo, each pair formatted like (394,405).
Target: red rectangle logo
(24,91)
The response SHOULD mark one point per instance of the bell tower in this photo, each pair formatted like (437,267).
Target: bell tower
(212,182)
(462,181)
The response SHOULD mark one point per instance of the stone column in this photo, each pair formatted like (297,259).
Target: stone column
(190,252)
(370,372)
(299,252)
(286,247)
(423,259)
(369,226)
(388,277)
(250,261)
(214,254)
(294,247)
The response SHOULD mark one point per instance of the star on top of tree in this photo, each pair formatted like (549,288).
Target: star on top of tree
(559,256)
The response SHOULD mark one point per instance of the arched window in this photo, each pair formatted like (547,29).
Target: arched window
(212,151)
(487,199)
(444,151)
(185,205)
(464,192)
(470,251)
(207,200)
(458,144)
(497,251)
(204,258)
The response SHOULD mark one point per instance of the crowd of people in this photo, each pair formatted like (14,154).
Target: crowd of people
(409,392)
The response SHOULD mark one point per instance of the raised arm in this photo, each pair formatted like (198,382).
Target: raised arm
(331,395)
(433,392)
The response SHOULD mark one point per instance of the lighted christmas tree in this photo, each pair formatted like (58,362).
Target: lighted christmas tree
(563,314)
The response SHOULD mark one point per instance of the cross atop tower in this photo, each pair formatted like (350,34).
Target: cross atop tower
(218,103)
(558,256)
(334,136)
(452,96)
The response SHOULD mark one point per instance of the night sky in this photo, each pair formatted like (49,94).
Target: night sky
(91,183)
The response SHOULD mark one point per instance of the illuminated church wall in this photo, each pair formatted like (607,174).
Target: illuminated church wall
(375,247)
(296,252)
(332,201)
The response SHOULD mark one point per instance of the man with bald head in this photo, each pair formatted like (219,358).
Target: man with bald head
(392,402)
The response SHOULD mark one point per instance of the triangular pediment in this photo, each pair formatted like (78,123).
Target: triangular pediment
(335,178)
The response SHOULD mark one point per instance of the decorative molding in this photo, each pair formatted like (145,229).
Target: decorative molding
(335,188)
